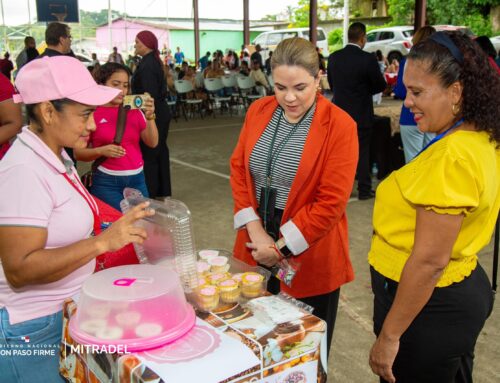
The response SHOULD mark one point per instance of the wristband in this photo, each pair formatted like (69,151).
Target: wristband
(282,247)
(153,117)
(280,256)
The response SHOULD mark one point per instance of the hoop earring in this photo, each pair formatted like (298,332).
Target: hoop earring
(455,109)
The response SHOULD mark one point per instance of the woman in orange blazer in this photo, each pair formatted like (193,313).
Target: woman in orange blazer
(296,159)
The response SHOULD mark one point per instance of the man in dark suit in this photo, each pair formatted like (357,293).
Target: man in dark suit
(354,76)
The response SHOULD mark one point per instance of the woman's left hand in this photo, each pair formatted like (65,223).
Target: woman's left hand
(263,253)
(382,357)
(149,107)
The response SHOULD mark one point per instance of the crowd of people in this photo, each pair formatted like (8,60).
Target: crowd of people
(291,174)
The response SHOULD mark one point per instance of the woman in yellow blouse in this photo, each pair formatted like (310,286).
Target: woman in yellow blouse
(432,217)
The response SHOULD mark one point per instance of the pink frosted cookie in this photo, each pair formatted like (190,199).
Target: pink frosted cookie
(147,330)
(252,284)
(229,290)
(215,278)
(208,254)
(202,268)
(218,264)
(208,297)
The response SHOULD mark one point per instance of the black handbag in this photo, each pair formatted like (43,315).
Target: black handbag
(121,121)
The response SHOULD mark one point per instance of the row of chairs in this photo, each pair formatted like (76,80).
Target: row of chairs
(244,92)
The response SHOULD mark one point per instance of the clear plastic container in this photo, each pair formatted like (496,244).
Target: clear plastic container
(235,281)
(170,239)
(140,306)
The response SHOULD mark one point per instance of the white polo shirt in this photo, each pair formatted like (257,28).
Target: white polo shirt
(36,194)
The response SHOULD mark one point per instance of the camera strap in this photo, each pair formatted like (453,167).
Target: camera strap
(121,121)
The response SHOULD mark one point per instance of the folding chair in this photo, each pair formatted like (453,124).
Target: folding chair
(247,87)
(229,82)
(215,88)
(184,89)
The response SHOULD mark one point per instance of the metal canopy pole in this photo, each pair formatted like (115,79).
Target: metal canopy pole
(126,31)
(29,18)
(196,33)
(420,14)
(109,27)
(346,20)
(313,21)
(169,45)
(246,22)
(4,28)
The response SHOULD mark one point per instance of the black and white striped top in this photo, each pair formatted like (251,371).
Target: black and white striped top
(287,162)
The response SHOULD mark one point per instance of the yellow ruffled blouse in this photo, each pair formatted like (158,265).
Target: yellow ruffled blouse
(459,174)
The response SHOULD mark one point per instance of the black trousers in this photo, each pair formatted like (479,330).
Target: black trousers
(363,170)
(438,347)
(157,160)
(325,307)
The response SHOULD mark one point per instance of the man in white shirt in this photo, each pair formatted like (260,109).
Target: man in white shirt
(115,57)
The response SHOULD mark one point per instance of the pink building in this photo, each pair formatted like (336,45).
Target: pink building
(123,34)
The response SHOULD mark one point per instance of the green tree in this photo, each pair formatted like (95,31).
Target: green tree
(473,13)
(301,12)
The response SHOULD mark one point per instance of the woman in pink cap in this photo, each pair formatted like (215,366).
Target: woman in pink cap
(47,217)
(149,77)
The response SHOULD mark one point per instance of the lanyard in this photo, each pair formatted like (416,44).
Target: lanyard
(88,198)
(271,163)
(441,135)
(272,157)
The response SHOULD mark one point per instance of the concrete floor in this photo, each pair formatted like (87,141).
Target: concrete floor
(200,150)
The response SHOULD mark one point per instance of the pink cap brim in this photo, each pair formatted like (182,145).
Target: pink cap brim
(95,95)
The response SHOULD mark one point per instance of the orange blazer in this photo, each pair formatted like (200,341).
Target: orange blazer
(318,196)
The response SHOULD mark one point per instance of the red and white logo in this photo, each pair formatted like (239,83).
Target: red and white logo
(26,339)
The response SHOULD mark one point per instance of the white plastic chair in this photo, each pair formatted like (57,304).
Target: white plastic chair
(247,86)
(184,88)
(198,79)
(229,82)
(213,87)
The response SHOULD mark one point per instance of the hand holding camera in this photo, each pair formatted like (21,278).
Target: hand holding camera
(140,101)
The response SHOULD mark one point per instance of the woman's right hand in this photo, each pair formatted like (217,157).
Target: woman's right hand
(257,233)
(112,150)
(125,231)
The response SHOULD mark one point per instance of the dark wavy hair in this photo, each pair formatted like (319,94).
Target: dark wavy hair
(480,82)
(106,71)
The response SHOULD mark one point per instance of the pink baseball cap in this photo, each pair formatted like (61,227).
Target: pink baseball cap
(58,77)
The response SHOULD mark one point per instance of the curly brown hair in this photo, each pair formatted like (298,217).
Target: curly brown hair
(106,71)
(480,82)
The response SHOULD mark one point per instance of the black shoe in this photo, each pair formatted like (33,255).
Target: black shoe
(366,196)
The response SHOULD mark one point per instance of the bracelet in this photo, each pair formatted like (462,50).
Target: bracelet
(280,256)
(153,117)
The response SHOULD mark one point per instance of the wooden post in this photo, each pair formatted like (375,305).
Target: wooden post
(246,23)
(313,21)
(420,10)
(196,32)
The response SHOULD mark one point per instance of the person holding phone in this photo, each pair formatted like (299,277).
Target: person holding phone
(124,164)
